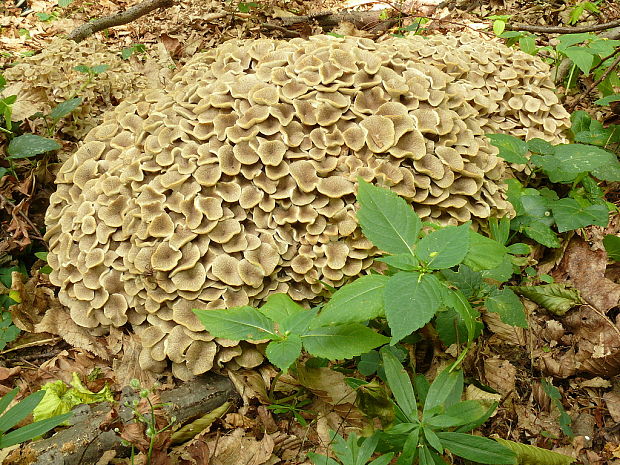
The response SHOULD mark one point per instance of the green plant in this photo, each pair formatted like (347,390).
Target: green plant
(291,406)
(353,451)
(575,165)
(565,419)
(416,288)
(578,10)
(134,49)
(8,331)
(423,435)
(9,418)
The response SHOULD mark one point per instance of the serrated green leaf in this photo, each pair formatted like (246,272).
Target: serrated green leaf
(612,246)
(511,149)
(284,352)
(239,323)
(445,247)
(387,220)
(98,69)
(30,145)
(468,281)
(484,253)
(540,146)
(399,382)
(297,323)
(63,109)
(532,455)
(402,261)
(477,449)
(411,301)
(342,341)
(556,298)
(359,301)
(570,160)
(570,214)
(508,306)
(280,306)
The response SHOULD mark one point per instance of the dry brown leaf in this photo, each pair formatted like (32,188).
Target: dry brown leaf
(126,365)
(500,375)
(239,449)
(327,384)
(612,400)
(58,321)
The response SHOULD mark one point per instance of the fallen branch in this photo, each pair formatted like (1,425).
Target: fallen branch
(562,29)
(84,443)
(85,30)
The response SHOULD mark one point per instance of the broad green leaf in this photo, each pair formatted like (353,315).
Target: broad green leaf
(476,422)
(609,99)
(98,69)
(383,460)
(433,440)
(30,145)
(457,301)
(284,352)
(410,447)
(508,306)
(466,411)
(612,246)
(387,220)
(342,341)
(499,27)
(532,455)
(31,431)
(445,247)
(567,40)
(569,215)
(366,449)
(469,282)
(519,249)
(280,306)
(556,298)
(569,160)
(580,121)
(359,301)
(64,3)
(399,382)
(239,323)
(542,234)
(7,399)
(442,390)
(297,323)
(476,448)
(450,327)
(528,45)
(484,253)
(403,261)
(443,421)
(582,57)
(63,109)
(540,146)
(500,229)
(319,459)
(411,300)
(20,411)
(511,149)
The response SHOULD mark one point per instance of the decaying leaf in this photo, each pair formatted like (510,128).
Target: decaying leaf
(500,375)
(557,298)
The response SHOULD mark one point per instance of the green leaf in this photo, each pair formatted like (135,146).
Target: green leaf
(450,327)
(383,460)
(280,306)
(30,145)
(556,398)
(580,121)
(359,301)
(7,399)
(447,386)
(612,246)
(342,341)
(476,448)
(500,229)
(399,382)
(433,440)
(402,261)
(466,411)
(556,298)
(239,323)
(570,214)
(609,99)
(410,446)
(468,281)
(64,3)
(457,301)
(445,247)
(387,220)
(499,27)
(542,234)
(484,253)
(511,149)
(527,454)
(32,430)
(126,53)
(298,323)
(63,109)
(540,146)
(98,69)
(519,249)
(582,57)
(570,160)
(284,352)
(82,69)
(319,459)
(20,411)
(508,306)
(411,300)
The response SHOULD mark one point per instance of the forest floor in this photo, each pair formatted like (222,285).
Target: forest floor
(513,362)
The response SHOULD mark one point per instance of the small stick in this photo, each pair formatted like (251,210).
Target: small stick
(36,234)
(87,29)
(562,29)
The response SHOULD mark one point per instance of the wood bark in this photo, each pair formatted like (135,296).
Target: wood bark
(83,443)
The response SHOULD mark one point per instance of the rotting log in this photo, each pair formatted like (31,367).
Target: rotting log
(83,443)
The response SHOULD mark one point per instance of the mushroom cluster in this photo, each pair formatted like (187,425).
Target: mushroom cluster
(238,181)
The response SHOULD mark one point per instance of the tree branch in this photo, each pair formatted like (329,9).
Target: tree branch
(562,29)
(85,30)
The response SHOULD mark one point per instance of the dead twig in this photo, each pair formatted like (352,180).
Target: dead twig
(562,29)
(288,33)
(35,231)
(571,106)
(85,30)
